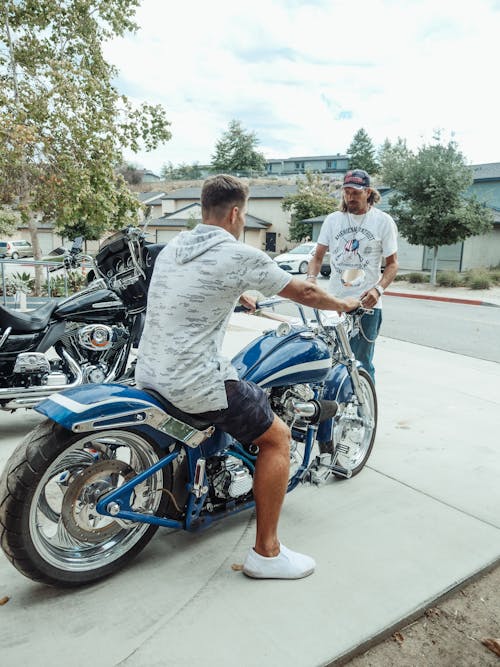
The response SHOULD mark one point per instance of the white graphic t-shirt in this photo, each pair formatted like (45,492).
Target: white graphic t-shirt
(357,244)
(197,280)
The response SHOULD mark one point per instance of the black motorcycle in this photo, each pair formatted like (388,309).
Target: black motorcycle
(85,338)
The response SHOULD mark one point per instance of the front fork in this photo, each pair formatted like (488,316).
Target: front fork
(349,361)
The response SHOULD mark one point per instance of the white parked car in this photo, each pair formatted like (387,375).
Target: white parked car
(297,259)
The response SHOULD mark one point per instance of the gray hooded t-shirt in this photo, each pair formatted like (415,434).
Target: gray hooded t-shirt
(197,280)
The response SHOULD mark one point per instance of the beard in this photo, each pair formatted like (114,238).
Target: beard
(356,208)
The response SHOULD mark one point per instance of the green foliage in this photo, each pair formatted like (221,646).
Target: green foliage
(391,158)
(63,124)
(478,279)
(8,221)
(494,274)
(449,279)
(22,282)
(314,197)
(430,205)
(235,152)
(192,221)
(416,277)
(362,153)
(183,171)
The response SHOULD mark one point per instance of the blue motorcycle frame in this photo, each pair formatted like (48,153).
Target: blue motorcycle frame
(285,356)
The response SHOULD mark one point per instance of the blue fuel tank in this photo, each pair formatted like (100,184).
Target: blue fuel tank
(274,360)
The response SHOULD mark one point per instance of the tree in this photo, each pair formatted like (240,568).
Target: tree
(183,171)
(362,153)
(391,157)
(314,197)
(131,173)
(235,152)
(431,204)
(63,124)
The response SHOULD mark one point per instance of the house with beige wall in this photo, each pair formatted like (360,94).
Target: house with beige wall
(267,224)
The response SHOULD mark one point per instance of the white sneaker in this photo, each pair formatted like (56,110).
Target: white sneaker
(286,565)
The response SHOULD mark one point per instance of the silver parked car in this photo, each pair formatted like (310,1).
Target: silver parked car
(297,260)
(16,249)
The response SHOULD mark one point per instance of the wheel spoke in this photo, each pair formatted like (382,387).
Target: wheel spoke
(66,529)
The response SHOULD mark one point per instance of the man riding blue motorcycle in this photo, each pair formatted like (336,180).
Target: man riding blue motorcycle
(197,279)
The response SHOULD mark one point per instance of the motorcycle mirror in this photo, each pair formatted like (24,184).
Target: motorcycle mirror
(77,245)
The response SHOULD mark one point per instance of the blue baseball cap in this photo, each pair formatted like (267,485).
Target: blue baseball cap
(357,179)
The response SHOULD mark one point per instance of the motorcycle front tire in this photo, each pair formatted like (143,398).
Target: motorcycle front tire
(49,528)
(361,456)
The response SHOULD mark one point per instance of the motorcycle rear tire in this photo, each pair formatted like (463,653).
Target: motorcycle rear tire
(42,459)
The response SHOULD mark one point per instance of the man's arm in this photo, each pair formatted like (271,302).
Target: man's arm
(371,296)
(310,294)
(315,264)
(390,271)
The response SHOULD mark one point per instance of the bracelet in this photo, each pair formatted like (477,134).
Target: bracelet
(379,289)
(310,275)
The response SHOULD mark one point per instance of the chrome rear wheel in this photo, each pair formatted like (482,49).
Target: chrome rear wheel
(66,541)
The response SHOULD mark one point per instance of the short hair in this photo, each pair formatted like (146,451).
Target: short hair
(373,198)
(220,193)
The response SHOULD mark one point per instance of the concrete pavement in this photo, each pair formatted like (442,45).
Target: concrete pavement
(422,518)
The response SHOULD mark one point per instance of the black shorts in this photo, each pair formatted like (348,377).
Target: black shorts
(248,414)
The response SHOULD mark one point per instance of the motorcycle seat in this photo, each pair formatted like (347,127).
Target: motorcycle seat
(30,322)
(185,417)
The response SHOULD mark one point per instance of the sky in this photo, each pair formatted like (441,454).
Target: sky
(306,75)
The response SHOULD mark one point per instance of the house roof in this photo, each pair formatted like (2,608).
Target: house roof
(171,220)
(310,157)
(256,192)
(489,171)
(150,197)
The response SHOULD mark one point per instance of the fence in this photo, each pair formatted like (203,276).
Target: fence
(10,281)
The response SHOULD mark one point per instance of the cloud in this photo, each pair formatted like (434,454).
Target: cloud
(305,76)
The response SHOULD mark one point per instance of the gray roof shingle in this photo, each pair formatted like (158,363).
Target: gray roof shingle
(256,192)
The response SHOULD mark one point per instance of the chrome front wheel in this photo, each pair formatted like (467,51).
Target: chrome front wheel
(354,431)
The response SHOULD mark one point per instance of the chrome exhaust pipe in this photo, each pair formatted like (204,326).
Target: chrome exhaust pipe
(29,394)
(316,411)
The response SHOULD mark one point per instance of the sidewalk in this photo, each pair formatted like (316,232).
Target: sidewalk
(487,297)
(421,519)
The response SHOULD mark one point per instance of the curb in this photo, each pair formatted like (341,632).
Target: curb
(446,299)
(412,616)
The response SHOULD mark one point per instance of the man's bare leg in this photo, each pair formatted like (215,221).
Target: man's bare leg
(270,559)
(270,483)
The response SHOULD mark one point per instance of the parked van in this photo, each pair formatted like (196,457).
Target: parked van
(16,249)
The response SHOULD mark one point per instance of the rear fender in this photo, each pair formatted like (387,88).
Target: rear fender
(96,407)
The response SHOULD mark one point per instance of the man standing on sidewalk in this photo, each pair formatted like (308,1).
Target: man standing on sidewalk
(358,237)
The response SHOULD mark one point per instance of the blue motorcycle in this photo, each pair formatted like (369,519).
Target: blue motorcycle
(91,484)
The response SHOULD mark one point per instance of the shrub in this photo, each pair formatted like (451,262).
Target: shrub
(495,276)
(449,279)
(478,279)
(417,277)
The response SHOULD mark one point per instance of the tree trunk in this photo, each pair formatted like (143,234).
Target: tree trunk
(37,254)
(434,265)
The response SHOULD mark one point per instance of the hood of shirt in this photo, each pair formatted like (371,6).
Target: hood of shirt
(189,245)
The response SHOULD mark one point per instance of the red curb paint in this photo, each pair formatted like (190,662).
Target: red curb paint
(469,302)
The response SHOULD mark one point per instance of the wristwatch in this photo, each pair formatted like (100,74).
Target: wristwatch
(310,275)
(379,289)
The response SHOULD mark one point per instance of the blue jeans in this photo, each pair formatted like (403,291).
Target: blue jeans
(362,348)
